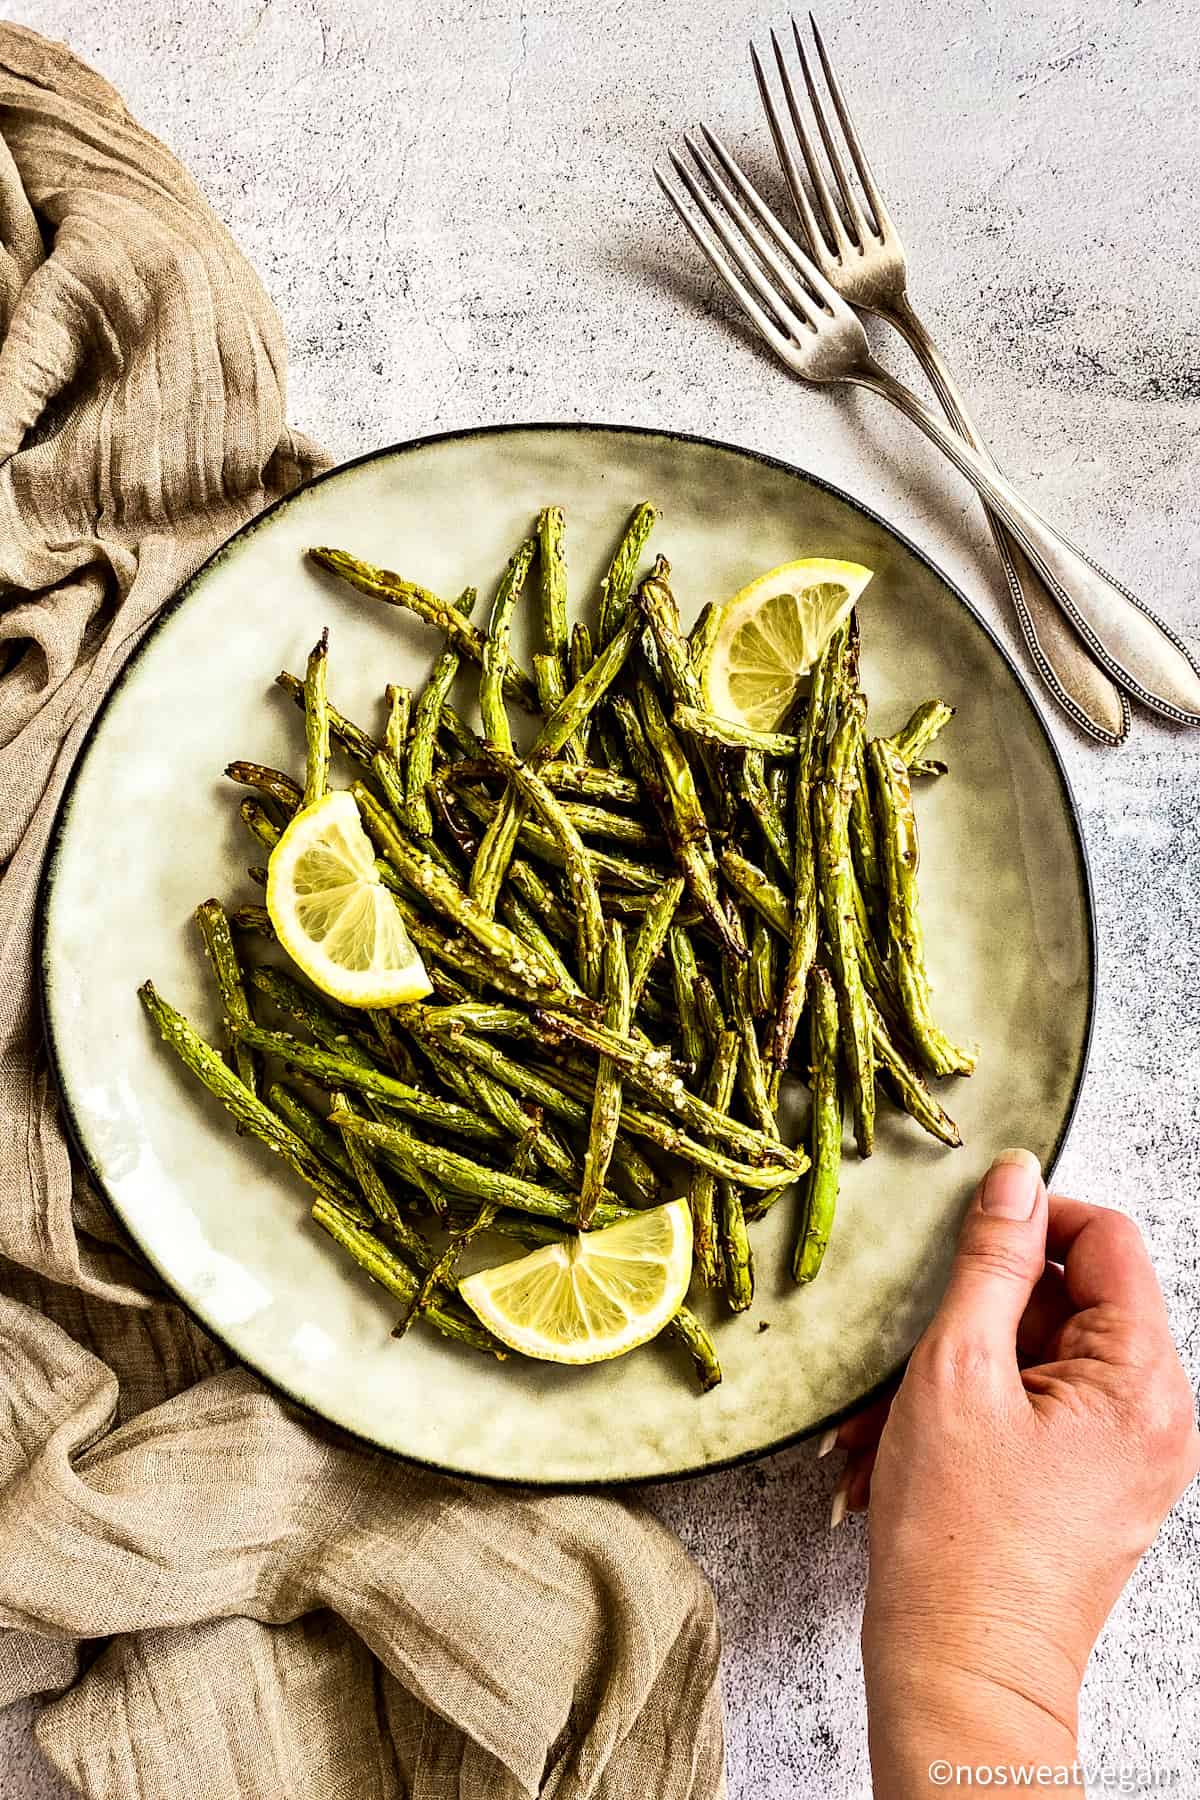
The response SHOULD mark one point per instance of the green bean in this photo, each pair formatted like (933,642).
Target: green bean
(864,845)
(766,814)
(589,917)
(418,769)
(245,1108)
(684,973)
(825,1130)
(906,1086)
(802,946)
(606,1105)
(295,1112)
(375,1190)
(446,897)
(316,722)
(898,842)
(752,1079)
(762,971)
(499,840)
(687,1330)
(399,705)
(731,734)
(254,919)
(551,688)
(271,783)
(310,1010)
(343,1071)
(659,765)
(914,738)
(383,1266)
(617,584)
(703,636)
(652,934)
(587,782)
(259,822)
(475,1180)
(528,927)
(496,658)
(835,881)
(384,584)
(708,1006)
(221,951)
(650,1070)
(737,1258)
(357,743)
(718,1092)
(553,589)
(580,658)
(751,885)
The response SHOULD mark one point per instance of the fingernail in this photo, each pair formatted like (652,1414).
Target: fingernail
(1010,1187)
(841,1503)
(827,1441)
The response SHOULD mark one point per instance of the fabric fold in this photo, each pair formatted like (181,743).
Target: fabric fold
(222,1594)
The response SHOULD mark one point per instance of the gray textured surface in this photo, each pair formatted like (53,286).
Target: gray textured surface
(451,207)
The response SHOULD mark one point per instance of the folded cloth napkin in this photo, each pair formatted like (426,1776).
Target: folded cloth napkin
(222,1596)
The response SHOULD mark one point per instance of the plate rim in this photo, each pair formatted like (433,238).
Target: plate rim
(186,591)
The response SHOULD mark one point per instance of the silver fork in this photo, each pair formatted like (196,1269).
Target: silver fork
(814,332)
(858,250)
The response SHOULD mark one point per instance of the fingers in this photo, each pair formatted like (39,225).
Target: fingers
(853,1491)
(1000,1257)
(1049,1308)
(862,1429)
(1104,1259)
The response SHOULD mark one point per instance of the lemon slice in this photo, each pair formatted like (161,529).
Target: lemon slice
(333,915)
(593,1296)
(771,633)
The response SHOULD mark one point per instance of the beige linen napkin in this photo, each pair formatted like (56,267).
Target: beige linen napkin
(223,1597)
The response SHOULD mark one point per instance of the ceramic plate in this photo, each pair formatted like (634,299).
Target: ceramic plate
(149,828)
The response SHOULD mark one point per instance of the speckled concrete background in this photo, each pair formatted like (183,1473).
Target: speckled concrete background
(451,206)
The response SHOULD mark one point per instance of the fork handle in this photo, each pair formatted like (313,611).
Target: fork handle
(1124,636)
(1076,680)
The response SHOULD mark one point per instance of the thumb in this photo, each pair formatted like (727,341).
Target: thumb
(1001,1255)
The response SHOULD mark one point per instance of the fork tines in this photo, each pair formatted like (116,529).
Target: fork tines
(782,293)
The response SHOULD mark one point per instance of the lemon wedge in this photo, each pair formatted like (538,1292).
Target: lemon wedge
(591,1297)
(769,635)
(333,915)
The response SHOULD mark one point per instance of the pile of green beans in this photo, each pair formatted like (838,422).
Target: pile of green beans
(633,932)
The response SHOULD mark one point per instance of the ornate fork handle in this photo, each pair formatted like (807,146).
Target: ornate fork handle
(1123,635)
(1076,679)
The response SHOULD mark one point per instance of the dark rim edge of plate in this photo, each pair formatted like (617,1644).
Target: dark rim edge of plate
(185,592)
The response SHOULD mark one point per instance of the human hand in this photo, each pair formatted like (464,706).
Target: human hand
(1043,1429)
